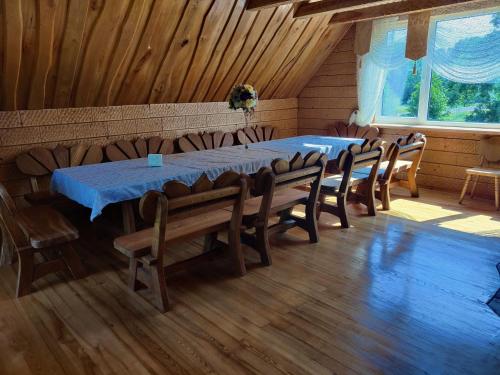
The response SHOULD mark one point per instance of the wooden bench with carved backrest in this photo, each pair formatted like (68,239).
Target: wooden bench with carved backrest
(179,213)
(365,156)
(341,129)
(38,230)
(205,141)
(275,195)
(258,134)
(140,148)
(39,162)
(403,157)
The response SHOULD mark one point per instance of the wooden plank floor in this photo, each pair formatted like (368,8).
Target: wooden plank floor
(402,293)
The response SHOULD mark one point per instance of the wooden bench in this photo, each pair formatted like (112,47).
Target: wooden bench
(39,229)
(179,213)
(257,134)
(40,162)
(344,130)
(275,195)
(205,141)
(356,157)
(140,148)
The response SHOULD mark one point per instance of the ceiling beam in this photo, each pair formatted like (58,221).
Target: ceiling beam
(395,9)
(335,6)
(261,4)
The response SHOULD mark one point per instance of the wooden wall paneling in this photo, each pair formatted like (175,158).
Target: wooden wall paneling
(231,53)
(222,44)
(100,47)
(215,22)
(129,38)
(29,51)
(264,74)
(168,81)
(77,15)
(311,31)
(154,44)
(277,49)
(12,50)
(310,62)
(241,73)
(46,13)
(251,41)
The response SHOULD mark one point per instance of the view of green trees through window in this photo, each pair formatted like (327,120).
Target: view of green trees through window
(448,101)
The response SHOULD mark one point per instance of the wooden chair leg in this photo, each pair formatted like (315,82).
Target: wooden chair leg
(370,201)
(234,242)
(342,208)
(262,244)
(312,222)
(159,287)
(133,283)
(497,194)
(412,185)
(7,251)
(25,273)
(464,189)
(385,197)
(474,185)
(73,261)
(209,241)
(321,202)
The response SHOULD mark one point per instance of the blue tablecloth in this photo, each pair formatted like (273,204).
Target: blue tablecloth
(95,186)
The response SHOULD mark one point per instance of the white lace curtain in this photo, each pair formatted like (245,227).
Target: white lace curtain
(464,50)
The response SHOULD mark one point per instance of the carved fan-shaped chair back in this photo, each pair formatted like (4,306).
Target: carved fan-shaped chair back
(124,150)
(205,141)
(341,129)
(258,134)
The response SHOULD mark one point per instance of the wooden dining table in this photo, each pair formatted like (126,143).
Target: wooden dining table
(99,185)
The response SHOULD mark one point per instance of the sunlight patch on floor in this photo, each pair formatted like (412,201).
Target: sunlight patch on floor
(420,212)
(483,225)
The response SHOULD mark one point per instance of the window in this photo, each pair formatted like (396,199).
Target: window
(432,91)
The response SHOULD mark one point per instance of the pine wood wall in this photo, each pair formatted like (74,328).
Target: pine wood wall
(331,96)
(81,53)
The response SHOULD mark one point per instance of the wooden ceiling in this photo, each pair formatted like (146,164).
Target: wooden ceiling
(74,53)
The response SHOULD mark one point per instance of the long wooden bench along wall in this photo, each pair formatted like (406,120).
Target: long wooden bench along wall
(330,96)
(23,130)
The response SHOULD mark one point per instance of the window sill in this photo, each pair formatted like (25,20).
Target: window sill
(442,128)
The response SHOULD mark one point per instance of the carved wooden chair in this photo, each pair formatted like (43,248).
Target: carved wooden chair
(180,213)
(41,162)
(341,129)
(205,141)
(124,150)
(39,229)
(404,157)
(258,134)
(489,148)
(356,157)
(275,195)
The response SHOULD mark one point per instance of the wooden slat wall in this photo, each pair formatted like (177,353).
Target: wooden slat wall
(62,53)
(331,96)
(22,130)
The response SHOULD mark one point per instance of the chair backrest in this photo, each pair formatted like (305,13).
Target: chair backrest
(357,156)
(489,148)
(40,161)
(283,174)
(179,200)
(341,129)
(258,134)
(205,141)
(8,224)
(124,150)
(409,148)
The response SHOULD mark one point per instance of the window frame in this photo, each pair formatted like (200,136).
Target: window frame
(425,86)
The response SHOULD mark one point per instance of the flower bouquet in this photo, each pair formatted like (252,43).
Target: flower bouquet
(244,97)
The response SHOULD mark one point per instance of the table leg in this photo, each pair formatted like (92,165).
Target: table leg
(128,217)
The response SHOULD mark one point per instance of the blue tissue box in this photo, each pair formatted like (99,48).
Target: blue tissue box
(155,160)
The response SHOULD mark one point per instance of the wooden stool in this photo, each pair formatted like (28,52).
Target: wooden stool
(489,149)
